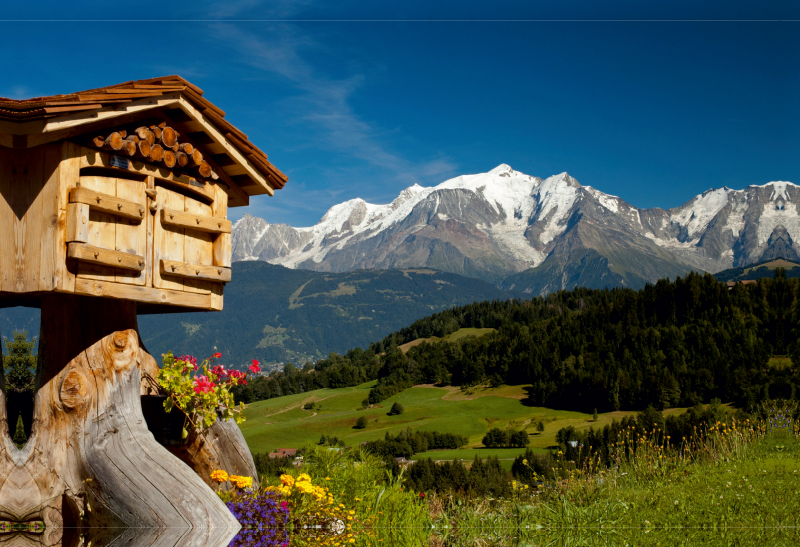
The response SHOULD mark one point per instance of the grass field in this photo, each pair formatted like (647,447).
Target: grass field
(282,422)
(452,337)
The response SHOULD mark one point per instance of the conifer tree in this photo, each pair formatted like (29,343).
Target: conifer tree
(19,433)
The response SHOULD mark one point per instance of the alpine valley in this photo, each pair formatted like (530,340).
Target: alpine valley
(531,235)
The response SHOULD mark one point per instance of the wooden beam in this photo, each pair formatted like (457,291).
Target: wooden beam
(138,293)
(105,257)
(107,204)
(65,122)
(193,221)
(230,149)
(77,222)
(195,271)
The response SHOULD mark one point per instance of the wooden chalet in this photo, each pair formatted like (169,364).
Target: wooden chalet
(122,192)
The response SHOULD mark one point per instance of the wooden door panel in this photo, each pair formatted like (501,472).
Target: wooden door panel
(198,247)
(102,230)
(168,241)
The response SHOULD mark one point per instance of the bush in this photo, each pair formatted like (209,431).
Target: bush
(361,423)
(397,408)
(495,438)
(519,439)
(271,467)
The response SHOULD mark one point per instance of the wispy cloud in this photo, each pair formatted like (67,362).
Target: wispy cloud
(325,103)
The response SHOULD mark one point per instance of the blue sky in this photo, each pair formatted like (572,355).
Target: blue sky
(651,101)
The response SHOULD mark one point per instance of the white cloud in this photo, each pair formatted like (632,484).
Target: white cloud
(324,102)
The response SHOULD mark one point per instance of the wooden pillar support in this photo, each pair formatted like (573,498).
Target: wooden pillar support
(90,460)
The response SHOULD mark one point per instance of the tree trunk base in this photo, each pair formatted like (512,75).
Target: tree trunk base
(90,460)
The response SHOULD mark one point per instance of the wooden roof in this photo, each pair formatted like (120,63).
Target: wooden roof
(31,122)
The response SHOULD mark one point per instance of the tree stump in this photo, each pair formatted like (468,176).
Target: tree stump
(90,460)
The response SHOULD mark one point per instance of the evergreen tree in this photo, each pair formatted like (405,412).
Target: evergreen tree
(20,362)
(19,434)
(397,408)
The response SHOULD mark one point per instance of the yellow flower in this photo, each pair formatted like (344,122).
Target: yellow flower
(242,482)
(219,476)
(287,480)
(303,477)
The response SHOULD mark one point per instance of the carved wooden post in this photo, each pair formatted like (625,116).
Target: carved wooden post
(94,227)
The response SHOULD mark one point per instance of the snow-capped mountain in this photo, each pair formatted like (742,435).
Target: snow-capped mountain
(535,235)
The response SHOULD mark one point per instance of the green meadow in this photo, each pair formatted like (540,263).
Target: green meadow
(282,423)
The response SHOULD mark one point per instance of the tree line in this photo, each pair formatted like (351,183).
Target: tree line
(675,343)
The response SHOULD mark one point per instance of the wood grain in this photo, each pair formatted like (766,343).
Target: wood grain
(89,436)
(68,176)
(198,245)
(102,228)
(168,241)
(77,222)
(131,236)
(197,218)
(109,203)
(196,271)
(148,295)
(105,257)
(10,162)
(49,216)
(222,244)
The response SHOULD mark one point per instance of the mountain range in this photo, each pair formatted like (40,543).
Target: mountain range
(531,235)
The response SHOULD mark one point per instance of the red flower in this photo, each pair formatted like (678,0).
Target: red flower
(217,355)
(422,495)
(237,377)
(189,360)
(203,385)
(254,368)
(220,372)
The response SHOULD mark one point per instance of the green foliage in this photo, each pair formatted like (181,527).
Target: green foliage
(495,438)
(498,438)
(19,363)
(397,408)
(271,467)
(19,433)
(361,423)
(407,443)
(540,426)
(199,397)
(484,477)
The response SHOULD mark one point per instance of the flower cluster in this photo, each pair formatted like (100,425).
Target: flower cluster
(200,391)
(243,483)
(302,485)
(317,519)
(264,518)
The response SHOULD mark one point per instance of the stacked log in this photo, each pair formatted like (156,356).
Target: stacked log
(159,144)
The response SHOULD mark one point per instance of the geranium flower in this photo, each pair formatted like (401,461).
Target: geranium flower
(254,368)
(220,372)
(217,355)
(237,377)
(203,384)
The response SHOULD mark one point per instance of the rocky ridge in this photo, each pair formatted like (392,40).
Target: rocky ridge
(535,235)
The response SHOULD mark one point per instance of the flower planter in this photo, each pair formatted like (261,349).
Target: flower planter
(166,427)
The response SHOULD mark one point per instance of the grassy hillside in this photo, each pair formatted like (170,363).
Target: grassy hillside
(452,337)
(282,422)
(760,270)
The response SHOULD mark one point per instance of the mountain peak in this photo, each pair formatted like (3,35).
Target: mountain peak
(502,168)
